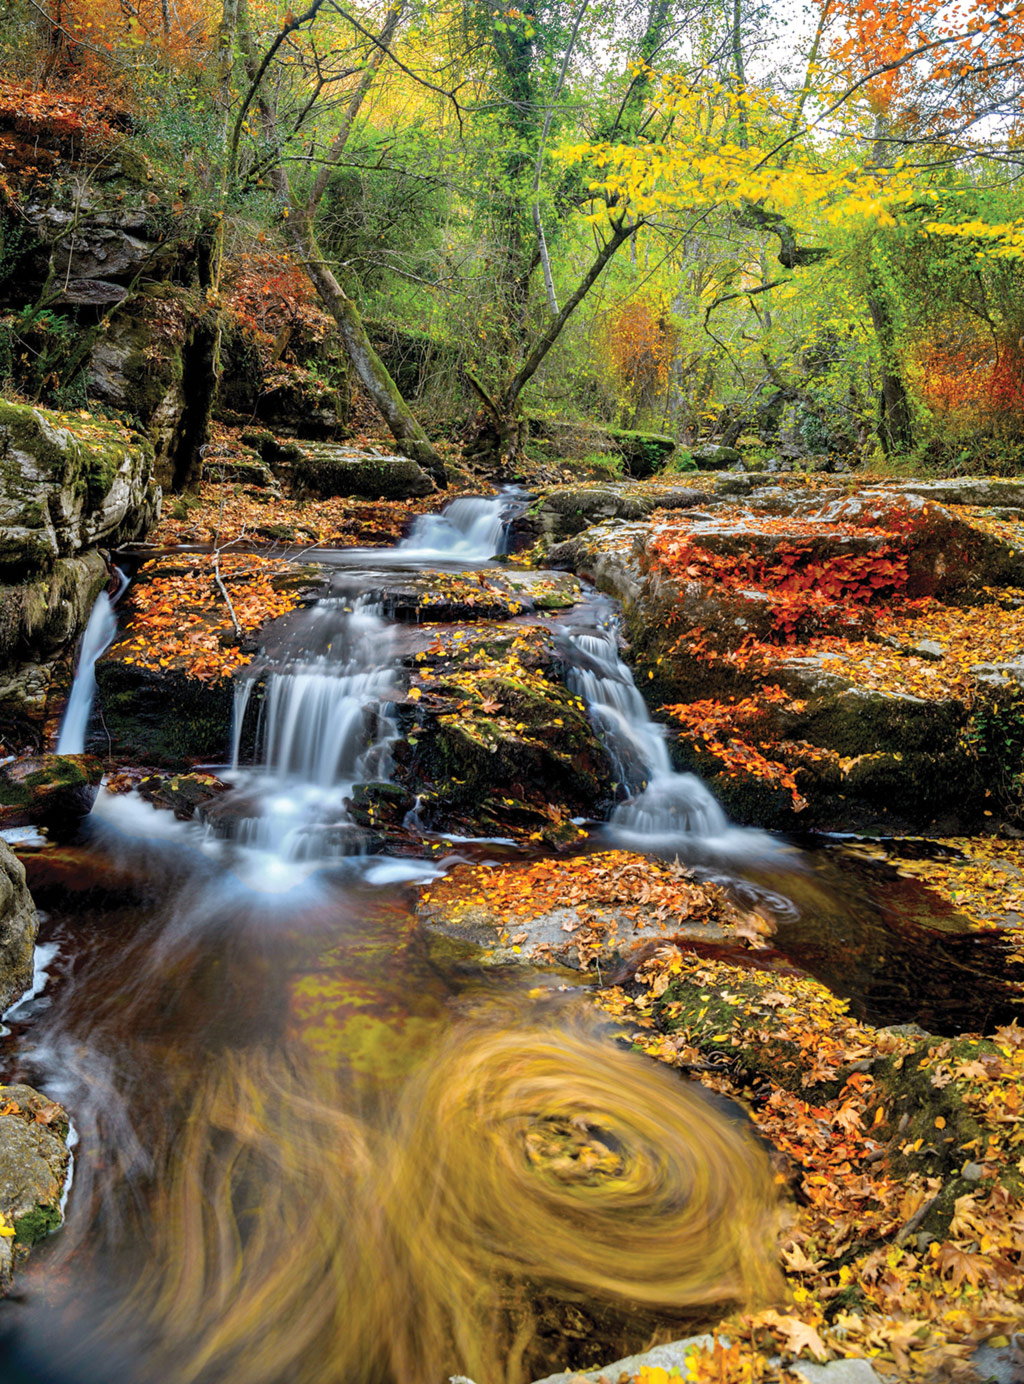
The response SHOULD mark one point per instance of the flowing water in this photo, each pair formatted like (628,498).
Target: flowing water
(319,1145)
(97,638)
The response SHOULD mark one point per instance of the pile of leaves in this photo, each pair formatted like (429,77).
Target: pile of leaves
(246,515)
(723,729)
(180,619)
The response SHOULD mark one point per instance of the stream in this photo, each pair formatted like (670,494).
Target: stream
(317,1144)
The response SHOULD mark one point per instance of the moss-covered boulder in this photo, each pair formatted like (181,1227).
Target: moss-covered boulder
(326,470)
(18,927)
(54,791)
(494,743)
(68,483)
(34,1159)
(162,717)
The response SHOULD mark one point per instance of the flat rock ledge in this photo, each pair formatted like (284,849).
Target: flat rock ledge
(674,1358)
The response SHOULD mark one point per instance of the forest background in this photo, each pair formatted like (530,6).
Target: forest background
(800,230)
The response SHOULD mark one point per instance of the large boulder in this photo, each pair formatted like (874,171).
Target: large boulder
(54,791)
(34,1160)
(18,927)
(327,470)
(70,484)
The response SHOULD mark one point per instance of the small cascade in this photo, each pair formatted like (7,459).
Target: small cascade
(98,636)
(471,529)
(326,722)
(664,809)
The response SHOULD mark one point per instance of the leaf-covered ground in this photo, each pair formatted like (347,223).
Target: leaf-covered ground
(902,1154)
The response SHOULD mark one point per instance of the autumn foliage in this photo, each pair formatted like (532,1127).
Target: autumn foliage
(641,344)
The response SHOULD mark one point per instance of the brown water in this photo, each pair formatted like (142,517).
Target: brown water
(317,1144)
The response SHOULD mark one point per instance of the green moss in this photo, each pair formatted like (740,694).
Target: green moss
(36,1224)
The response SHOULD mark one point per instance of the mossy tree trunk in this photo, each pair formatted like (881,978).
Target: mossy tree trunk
(299,214)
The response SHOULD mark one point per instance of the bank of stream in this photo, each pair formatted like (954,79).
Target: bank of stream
(318,1140)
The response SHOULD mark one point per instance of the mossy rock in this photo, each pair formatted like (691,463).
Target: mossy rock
(68,483)
(50,790)
(34,1160)
(326,472)
(162,718)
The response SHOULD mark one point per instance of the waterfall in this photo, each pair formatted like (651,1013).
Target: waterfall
(98,636)
(326,723)
(325,718)
(471,529)
(664,808)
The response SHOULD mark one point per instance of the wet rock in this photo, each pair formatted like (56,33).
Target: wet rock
(376,805)
(588,912)
(162,717)
(34,1159)
(182,794)
(50,790)
(18,927)
(327,470)
(40,618)
(494,743)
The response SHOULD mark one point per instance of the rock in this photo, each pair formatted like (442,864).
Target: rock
(567,510)
(182,794)
(293,401)
(945,553)
(328,470)
(18,927)
(149,363)
(981,491)
(34,1159)
(245,471)
(49,790)
(163,717)
(494,743)
(66,485)
(715,458)
(109,246)
(373,805)
(40,617)
(672,1358)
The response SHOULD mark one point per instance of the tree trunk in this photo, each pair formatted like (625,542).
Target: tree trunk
(895,416)
(410,438)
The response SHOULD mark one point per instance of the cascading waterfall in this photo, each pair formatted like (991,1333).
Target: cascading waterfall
(326,722)
(98,636)
(471,529)
(664,808)
(326,718)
